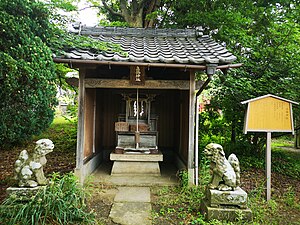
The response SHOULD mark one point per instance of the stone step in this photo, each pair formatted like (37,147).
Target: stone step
(132,206)
(131,213)
(133,194)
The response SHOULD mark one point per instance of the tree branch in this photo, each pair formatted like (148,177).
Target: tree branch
(111,10)
(88,7)
(143,2)
(152,6)
(166,13)
(125,12)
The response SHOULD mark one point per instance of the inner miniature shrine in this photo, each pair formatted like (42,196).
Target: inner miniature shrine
(136,133)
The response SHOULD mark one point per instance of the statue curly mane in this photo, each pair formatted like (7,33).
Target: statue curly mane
(225,173)
(29,168)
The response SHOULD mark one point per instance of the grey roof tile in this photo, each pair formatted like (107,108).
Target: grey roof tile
(181,46)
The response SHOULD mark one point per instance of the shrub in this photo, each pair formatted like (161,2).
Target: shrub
(27,72)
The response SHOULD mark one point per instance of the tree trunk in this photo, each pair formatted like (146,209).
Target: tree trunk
(233,133)
(297,139)
(135,14)
(135,20)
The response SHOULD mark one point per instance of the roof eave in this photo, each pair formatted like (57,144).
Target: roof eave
(76,63)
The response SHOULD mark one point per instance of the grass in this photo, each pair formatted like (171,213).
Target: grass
(63,133)
(181,205)
(61,202)
(174,206)
(284,161)
(171,205)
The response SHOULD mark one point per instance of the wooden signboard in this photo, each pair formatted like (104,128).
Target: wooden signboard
(137,75)
(269,113)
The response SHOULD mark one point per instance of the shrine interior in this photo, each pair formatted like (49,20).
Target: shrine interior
(111,116)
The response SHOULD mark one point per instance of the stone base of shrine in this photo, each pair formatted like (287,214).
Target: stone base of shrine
(136,164)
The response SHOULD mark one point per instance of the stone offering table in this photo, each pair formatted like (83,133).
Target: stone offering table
(136,164)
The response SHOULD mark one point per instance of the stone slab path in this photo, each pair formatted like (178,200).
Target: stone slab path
(132,206)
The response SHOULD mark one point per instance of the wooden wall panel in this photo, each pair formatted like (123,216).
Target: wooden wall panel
(166,106)
(89,122)
(108,108)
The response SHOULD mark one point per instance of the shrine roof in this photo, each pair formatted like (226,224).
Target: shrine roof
(140,45)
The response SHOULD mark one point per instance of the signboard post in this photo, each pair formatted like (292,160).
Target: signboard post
(269,113)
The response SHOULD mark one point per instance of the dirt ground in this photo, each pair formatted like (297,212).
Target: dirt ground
(58,162)
(102,196)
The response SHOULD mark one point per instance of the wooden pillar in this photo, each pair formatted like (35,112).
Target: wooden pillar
(197,141)
(80,127)
(191,155)
(268,166)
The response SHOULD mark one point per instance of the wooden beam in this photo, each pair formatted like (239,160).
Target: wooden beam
(76,63)
(149,84)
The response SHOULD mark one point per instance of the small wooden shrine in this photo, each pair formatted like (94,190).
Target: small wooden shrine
(138,108)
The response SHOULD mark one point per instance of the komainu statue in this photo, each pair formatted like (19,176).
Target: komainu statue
(29,168)
(225,173)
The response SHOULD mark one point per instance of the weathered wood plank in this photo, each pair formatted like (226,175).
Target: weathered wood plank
(80,128)
(89,123)
(149,84)
(191,128)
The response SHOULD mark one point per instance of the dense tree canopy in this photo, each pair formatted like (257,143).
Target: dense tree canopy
(27,72)
(29,35)
(264,35)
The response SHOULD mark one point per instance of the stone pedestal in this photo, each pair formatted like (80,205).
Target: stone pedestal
(216,198)
(226,205)
(136,164)
(23,193)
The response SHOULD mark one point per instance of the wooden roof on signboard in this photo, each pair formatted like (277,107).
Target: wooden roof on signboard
(186,47)
(269,113)
(269,95)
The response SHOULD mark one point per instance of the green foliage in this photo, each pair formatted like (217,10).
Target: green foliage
(184,179)
(28,77)
(212,128)
(65,41)
(114,24)
(181,206)
(176,204)
(182,203)
(63,133)
(61,202)
(290,198)
(264,36)
(137,13)
(285,162)
(27,72)
(204,171)
(66,5)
